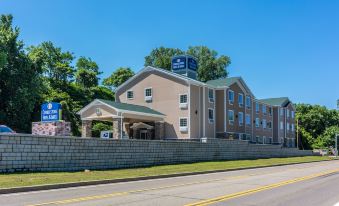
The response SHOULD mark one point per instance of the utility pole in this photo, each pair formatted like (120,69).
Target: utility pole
(336,135)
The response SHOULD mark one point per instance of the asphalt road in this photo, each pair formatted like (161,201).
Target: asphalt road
(303,184)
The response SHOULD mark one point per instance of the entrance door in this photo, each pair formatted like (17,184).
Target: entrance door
(143,134)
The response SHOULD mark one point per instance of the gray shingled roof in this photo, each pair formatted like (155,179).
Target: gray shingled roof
(130,107)
(223,82)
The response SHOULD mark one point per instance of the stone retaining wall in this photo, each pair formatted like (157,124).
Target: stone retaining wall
(43,153)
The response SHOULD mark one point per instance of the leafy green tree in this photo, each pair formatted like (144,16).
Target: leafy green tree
(161,57)
(210,66)
(20,81)
(55,63)
(87,72)
(118,77)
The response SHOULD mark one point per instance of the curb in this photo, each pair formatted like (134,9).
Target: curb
(109,181)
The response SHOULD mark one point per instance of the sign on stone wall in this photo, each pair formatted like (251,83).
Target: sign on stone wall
(51,112)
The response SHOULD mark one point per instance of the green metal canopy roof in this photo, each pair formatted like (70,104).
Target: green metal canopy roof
(223,82)
(281,101)
(131,107)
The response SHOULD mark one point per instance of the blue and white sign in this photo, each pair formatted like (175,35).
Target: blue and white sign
(50,112)
(192,63)
(179,62)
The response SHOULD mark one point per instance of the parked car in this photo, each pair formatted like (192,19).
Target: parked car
(5,129)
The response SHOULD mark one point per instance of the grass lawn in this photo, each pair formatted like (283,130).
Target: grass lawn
(41,178)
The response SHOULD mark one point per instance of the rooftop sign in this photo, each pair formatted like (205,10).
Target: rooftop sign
(184,62)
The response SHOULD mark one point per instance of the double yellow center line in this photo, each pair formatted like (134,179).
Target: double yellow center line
(259,189)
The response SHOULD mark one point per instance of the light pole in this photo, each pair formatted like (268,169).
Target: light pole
(336,135)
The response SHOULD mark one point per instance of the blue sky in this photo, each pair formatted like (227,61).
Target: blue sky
(280,48)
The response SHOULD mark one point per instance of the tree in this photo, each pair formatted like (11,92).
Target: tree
(161,57)
(55,63)
(118,77)
(20,81)
(87,73)
(210,66)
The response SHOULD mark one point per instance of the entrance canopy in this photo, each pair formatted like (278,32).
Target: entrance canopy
(105,110)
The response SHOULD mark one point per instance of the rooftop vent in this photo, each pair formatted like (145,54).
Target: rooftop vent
(185,65)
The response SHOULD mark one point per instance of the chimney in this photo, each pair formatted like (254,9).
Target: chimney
(185,65)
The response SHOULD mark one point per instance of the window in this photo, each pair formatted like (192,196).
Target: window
(210,115)
(288,113)
(183,98)
(257,107)
(281,111)
(241,118)
(148,94)
(241,100)
(210,95)
(292,114)
(248,101)
(231,96)
(183,125)
(264,124)
(292,127)
(269,125)
(98,111)
(264,109)
(130,95)
(257,122)
(281,125)
(270,110)
(288,126)
(248,119)
(230,116)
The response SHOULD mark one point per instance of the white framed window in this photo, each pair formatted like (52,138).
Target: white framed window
(98,111)
(264,123)
(183,124)
(148,94)
(292,114)
(248,102)
(281,125)
(241,118)
(288,113)
(230,116)
(264,109)
(292,127)
(210,115)
(231,97)
(130,94)
(211,95)
(281,111)
(183,99)
(241,99)
(257,107)
(257,122)
(288,126)
(248,119)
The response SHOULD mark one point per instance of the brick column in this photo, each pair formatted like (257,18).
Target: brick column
(117,128)
(159,130)
(86,128)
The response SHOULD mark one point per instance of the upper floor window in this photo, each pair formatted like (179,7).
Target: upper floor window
(270,111)
(183,101)
(248,119)
(231,96)
(257,107)
(148,94)
(241,118)
(210,115)
(292,114)
(241,100)
(248,101)
(264,111)
(130,94)
(281,111)
(281,125)
(264,123)
(210,95)
(288,113)
(257,122)
(230,116)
